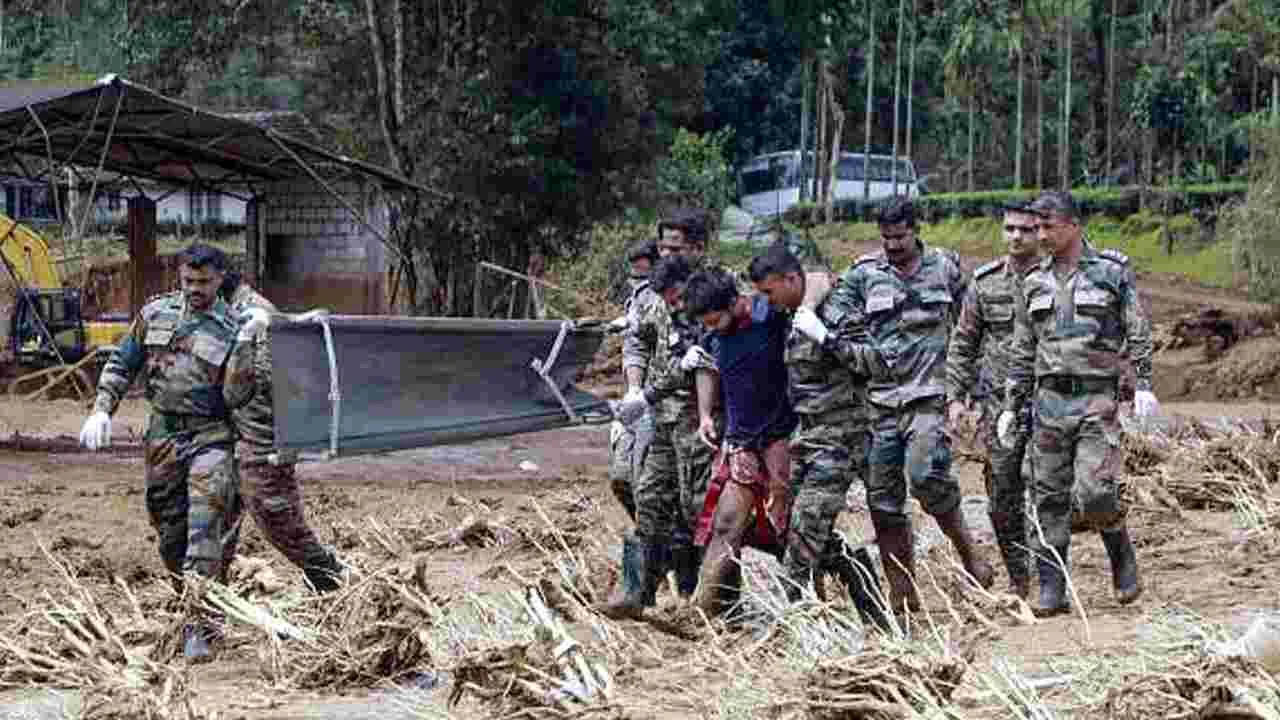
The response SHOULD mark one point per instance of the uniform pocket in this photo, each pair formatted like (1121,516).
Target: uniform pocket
(1092,302)
(210,349)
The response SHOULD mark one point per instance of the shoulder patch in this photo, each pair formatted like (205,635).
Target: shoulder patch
(1115,256)
(869,257)
(987,269)
(161,302)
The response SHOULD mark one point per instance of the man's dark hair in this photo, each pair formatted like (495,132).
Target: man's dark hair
(200,255)
(670,272)
(230,281)
(776,260)
(692,221)
(709,291)
(899,211)
(643,250)
(1055,201)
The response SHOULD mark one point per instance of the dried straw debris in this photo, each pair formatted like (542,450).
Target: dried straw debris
(1202,688)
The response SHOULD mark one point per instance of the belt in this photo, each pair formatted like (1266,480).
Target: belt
(180,422)
(1077,385)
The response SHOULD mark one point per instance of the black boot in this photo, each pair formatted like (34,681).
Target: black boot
(687,562)
(897,555)
(324,573)
(1053,583)
(197,640)
(1124,565)
(953,526)
(641,563)
(1012,539)
(856,571)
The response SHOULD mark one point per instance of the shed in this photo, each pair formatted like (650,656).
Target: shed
(317,222)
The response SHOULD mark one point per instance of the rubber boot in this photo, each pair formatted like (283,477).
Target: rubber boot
(855,570)
(897,555)
(1124,565)
(687,562)
(324,573)
(640,567)
(1053,583)
(1012,539)
(952,524)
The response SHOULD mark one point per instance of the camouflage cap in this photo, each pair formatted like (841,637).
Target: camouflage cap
(1056,202)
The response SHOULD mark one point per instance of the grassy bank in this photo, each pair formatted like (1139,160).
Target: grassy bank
(1155,243)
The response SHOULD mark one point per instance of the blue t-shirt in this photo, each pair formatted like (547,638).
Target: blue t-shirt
(753,377)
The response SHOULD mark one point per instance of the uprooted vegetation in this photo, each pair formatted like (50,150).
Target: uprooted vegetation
(525,643)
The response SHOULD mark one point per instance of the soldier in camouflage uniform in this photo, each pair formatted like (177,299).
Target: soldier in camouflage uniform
(671,485)
(271,492)
(828,450)
(1079,316)
(983,338)
(624,460)
(906,299)
(180,343)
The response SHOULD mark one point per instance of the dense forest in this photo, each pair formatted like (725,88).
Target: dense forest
(542,117)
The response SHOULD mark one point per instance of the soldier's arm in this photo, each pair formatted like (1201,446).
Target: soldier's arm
(122,367)
(847,338)
(1023,356)
(240,379)
(664,382)
(638,345)
(1137,331)
(965,347)
(959,287)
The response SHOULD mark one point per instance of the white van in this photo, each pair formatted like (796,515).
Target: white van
(769,184)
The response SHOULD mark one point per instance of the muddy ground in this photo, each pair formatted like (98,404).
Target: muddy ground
(88,511)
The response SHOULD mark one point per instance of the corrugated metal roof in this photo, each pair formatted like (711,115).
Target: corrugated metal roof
(148,135)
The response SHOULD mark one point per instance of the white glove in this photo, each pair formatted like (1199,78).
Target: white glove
(632,407)
(807,322)
(96,432)
(1005,429)
(619,324)
(1145,404)
(252,323)
(696,357)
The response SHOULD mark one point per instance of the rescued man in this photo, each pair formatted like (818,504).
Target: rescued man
(271,492)
(672,483)
(906,298)
(1078,319)
(747,338)
(978,366)
(828,449)
(180,344)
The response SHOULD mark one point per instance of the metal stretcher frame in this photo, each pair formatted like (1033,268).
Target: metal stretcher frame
(355,384)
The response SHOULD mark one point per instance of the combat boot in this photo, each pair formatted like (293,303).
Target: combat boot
(1124,565)
(640,572)
(952,524)
(854,569)
(1053,583)
(687,562)
(196,642)
(897,555)
(1011,538)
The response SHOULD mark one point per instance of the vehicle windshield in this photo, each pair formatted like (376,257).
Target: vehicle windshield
(782,172)
(850,168)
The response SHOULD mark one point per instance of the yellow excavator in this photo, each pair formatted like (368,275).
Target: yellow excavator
(49,339)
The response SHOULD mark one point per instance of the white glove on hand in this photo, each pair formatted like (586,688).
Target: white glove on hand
(807,322)
(252,323)
(1005,429)
(618,325)
(96,432)
(1145,404)
(632,407)
(696,357)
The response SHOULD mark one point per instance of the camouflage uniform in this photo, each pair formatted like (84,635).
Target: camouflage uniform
(192,492)
(909,321)
(983,336)
(624,461)
(829,449)
(1071,338)
(271,492)
(672,484)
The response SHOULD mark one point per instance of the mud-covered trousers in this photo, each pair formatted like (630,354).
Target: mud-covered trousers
(672,484)
(192,497)
(827,455)
(910,452)
(273,497)
(1004,473)
(1075,460)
